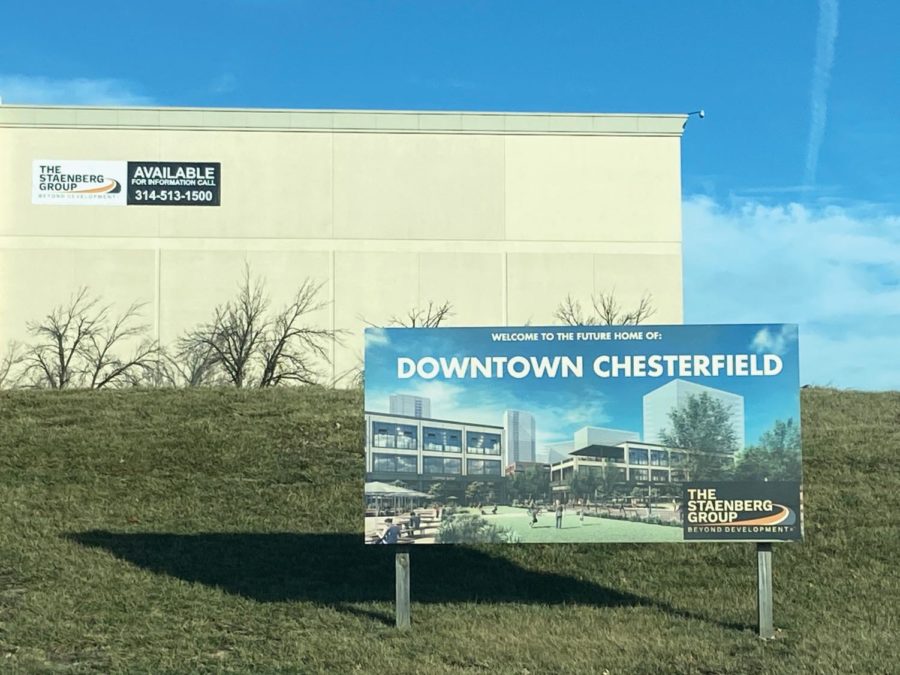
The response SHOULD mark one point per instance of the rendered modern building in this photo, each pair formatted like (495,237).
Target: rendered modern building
(411,406)
(519,429)
(420,451)
(603,436)
(659,403)
(555,452)
(502,215)
(632,463)
(521,467)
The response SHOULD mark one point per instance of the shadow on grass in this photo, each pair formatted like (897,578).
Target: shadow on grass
(339,571)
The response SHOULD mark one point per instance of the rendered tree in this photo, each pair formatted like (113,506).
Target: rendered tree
(777,457)
(609,485)
(533,483)
(438,491)
(584,484)
(704,425)
(475,492)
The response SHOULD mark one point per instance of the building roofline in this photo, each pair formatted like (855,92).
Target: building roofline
(652,445)
(343,121)
(433,419)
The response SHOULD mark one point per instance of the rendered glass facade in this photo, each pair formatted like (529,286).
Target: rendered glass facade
(429,450)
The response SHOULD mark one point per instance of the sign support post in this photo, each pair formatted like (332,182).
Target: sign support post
(764,590)
(401,569)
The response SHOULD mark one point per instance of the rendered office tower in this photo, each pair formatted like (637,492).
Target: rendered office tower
(659,403)
(411,406)
(520,436)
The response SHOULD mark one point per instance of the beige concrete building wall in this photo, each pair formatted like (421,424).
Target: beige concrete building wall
(502,215)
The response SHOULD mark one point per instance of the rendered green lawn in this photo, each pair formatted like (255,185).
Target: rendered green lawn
(574,530)
(221,531)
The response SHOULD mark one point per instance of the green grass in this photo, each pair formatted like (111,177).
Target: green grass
(211,531)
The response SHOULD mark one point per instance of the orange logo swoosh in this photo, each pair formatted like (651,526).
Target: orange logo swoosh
(774,519)
(107,187)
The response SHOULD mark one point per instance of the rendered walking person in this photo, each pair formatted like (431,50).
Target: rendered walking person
(559,515)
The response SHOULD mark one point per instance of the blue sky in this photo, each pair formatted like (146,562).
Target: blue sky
(790,204)
(562,405)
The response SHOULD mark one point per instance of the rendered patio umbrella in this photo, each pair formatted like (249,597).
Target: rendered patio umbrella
(380,491)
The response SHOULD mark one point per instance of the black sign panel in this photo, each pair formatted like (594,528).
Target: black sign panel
(747,510)
(174,183)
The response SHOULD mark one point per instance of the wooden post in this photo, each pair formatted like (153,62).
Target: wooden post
(764,590)
(401,568)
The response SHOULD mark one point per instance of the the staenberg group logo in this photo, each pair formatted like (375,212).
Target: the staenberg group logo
(753,511)
(121,183)
(78,182)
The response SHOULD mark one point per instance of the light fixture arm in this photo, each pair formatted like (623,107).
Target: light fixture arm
(699,113)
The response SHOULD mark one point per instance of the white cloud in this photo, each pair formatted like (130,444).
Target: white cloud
(767,341)
(223,84)
(834,270)
(377,336)
(31,90)
(826,34)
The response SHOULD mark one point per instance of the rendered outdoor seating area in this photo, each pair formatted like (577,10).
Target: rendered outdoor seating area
(416,526)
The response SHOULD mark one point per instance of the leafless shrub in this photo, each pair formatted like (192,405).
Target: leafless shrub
(247,345)
(9,364)
(606,311)
(289,346)
(429,316)
(78,345)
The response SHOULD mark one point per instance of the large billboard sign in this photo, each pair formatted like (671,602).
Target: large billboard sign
(582,434)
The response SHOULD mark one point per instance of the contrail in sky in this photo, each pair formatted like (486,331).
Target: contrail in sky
(826,34)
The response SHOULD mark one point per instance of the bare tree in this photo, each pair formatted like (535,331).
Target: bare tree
(430,316)
(12,358)
(192,365)
(103,367)
(289,347)
(233,336)
(606,311)
(251,347)
(52,362)
(78,344)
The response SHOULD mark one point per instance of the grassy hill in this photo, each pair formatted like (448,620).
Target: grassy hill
(219,530)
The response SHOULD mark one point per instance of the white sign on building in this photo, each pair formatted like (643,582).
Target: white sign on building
(78,182)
